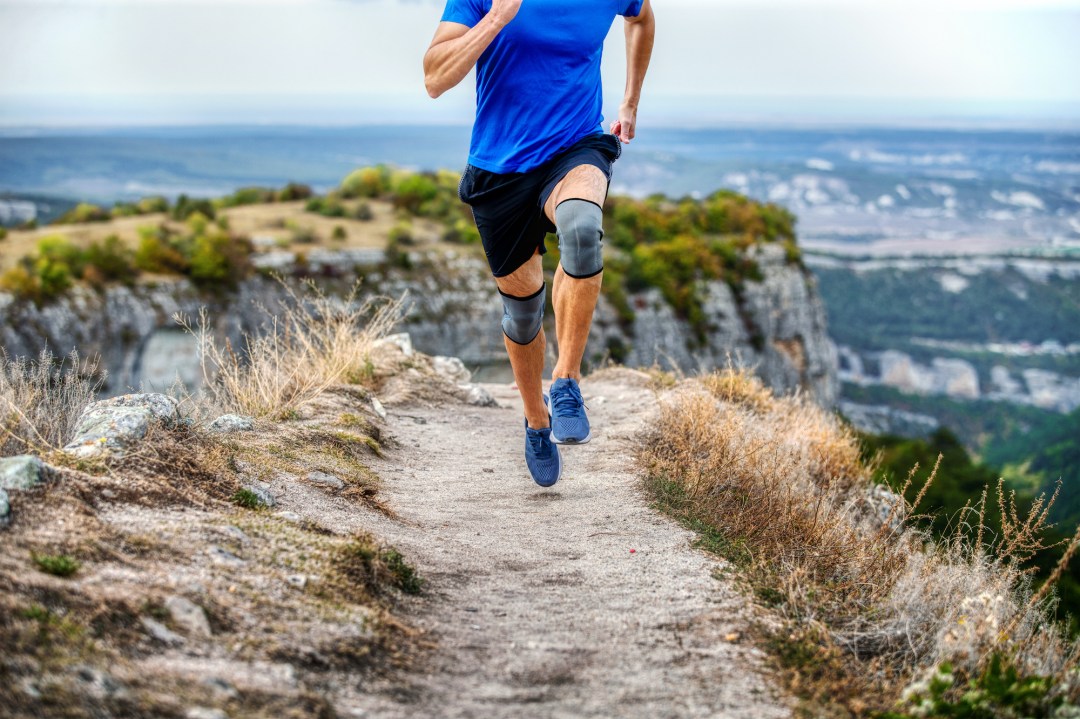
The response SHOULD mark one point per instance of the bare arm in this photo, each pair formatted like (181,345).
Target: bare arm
(456,47)
(640,32)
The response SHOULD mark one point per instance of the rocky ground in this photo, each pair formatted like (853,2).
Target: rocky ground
(269,569)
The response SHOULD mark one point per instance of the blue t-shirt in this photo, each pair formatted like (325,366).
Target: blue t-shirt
(538,83)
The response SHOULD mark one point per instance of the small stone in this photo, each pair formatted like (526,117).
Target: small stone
(402,340)
(297,580)
(229,423)
(477,396)
(236,533)
(161,632)
(452,368)
(326,480)
(22,472)
(205,713)
(289,516)
(224,556)
(378,407)
(265,496)
(5,509)
(221,687)
(188,615)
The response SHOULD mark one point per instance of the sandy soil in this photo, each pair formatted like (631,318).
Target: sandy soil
(571,602)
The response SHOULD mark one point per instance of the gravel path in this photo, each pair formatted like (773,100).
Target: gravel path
(580,601)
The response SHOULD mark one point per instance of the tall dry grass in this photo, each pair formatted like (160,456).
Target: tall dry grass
(783,484)
(308,344)
(41,400)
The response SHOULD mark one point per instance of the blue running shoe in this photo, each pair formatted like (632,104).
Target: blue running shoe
(542,456)
(569,425)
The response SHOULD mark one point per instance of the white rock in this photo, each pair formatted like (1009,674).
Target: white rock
(188,615)
(452,368)
(161,632)
(378,407)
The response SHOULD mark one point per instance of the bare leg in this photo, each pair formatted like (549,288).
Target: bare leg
(574,299)
(528,360)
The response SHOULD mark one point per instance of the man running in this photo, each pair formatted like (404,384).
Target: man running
(540,162)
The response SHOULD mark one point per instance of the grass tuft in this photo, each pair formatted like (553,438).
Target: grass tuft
(247,499)
(58,565)
(868,601)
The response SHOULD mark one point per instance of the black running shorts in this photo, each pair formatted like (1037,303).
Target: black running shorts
(509,207)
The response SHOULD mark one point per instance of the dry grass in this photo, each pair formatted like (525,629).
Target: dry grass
(308,345)
(868,603)
(41,400)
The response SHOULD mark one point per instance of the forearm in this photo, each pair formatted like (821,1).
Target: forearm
(639,47)
(447,63)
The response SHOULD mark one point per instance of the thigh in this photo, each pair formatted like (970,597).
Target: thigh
(525,280)
(584,182)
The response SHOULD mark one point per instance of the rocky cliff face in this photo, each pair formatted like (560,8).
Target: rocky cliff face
(776,326)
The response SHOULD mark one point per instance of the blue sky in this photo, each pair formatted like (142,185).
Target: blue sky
(358,61)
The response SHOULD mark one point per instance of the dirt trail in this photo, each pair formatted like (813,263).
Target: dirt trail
(537,602)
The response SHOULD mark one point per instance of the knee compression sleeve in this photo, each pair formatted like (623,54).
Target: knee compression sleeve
(581,237)
(523,316)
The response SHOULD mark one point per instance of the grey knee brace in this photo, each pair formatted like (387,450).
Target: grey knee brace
(523,316)
(581,237)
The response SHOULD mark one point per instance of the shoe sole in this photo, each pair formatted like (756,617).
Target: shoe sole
(556,440)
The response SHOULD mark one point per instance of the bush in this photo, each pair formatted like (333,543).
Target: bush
(60,565)
(294,191)
(186,206)
(363,212)
(412,191)
(339,234)
(366,182)
(3,232)
(157,253)
(109,261)
(82,213)
(248,196)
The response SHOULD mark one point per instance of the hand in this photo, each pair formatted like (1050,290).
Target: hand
(504,10)
(626,126)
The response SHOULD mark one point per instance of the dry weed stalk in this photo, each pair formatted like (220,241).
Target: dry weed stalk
(41,400)
(306,346)
(784,479)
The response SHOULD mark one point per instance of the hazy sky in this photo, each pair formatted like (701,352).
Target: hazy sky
(356,61)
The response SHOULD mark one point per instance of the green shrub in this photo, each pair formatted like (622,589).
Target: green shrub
(186,206)
(411,191)
(294,191)
(109,261)
(363,212)
(3,232)
(82,213)
(366,182)
(30,224)
(157,253)
(339,234)
(402,233)
(247,499)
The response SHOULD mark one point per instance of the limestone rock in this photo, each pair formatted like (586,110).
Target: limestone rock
(22,472)
(402,341)
(164,408)
(324,479)
(479,397)
(5,509)
(452,368)
(265,496)
(188,615)
(109,430)
(161,632)
(113,426)
(229,423)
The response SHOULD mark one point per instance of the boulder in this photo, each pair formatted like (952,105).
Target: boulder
(114,426)
(189,615)
(5,509)
(479,397)
(452,368)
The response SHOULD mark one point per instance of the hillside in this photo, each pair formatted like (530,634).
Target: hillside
(408,567)
(689,284)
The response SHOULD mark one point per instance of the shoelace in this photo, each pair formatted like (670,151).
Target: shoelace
(541,449)
(567,402)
